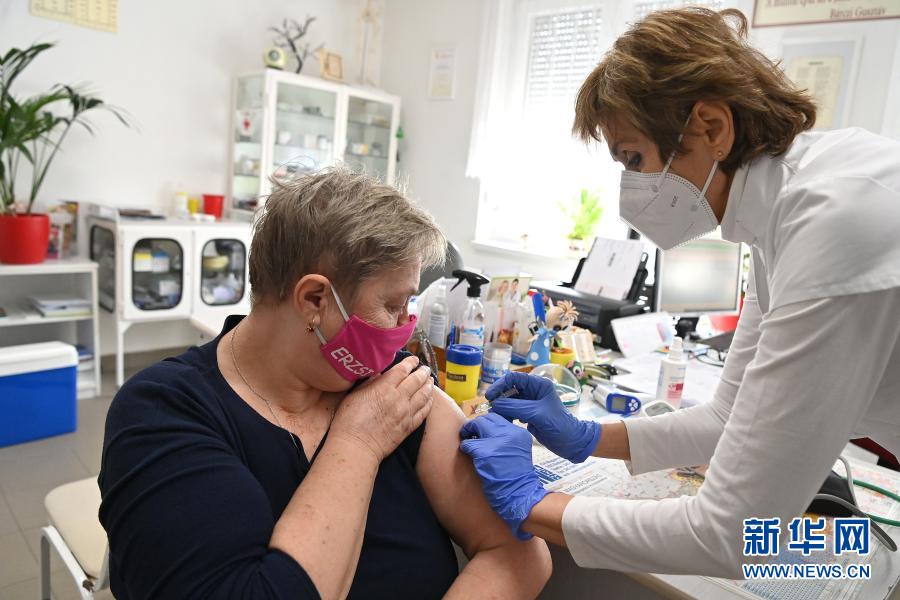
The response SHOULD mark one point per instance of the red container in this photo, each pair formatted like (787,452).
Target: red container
(724,324)
(24,238)
(213,204)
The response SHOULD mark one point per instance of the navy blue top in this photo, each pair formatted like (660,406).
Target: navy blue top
(193,480)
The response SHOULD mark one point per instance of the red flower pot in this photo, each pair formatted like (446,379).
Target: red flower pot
(24,238)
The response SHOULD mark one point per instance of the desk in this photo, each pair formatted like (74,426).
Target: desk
(610,478)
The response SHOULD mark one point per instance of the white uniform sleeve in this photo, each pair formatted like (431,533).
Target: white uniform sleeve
(792,416)
(688,437)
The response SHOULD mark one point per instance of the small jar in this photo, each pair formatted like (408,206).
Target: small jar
(463,368)
(495,364)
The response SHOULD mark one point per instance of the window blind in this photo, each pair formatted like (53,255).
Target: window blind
(564,46)
(644,7)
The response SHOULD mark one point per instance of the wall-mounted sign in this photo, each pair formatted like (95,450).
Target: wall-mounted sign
(767,13)
(96,14)
(442,74)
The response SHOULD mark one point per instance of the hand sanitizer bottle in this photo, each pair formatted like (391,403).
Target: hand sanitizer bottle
(672,371)
(472,326)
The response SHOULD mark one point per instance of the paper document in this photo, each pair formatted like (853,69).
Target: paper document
(607,478)
(610,268)
(96,14)
(644,333)
(821,75)
(700,380)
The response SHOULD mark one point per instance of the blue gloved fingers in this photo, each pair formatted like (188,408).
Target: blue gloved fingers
(512,408)
(482,426)
(469,446)
(534,387)
(500,386)
(529,386)
(468,430)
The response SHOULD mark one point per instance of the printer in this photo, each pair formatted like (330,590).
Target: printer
(595,312)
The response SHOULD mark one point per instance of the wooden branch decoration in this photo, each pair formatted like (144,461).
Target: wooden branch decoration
(288,37)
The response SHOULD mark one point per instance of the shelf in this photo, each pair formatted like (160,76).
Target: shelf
(364,124)
(365,156)
(15,320)
(156,273)
(51,266)
(280,112)
(299,149)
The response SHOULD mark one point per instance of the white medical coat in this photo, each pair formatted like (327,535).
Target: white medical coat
(815,361)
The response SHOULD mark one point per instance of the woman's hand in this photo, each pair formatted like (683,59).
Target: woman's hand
(384,411)
(501,453)
(548,420)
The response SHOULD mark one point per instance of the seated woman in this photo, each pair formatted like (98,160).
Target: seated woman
(287,458)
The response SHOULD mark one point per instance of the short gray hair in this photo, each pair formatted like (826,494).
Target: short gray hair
(345,225)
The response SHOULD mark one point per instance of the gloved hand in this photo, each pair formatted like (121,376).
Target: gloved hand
(501,453)
(548,420)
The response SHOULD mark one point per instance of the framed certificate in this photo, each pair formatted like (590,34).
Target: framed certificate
(827,68)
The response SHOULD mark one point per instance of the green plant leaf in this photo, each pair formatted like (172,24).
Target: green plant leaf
(24,150)
(15,61)
(35,128)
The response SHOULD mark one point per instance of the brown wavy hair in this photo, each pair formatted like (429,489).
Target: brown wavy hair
(662,65)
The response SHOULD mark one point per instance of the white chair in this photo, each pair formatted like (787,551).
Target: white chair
(77,536)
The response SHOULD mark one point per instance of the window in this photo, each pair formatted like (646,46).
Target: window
(531,171)
(563,47)
(644,7)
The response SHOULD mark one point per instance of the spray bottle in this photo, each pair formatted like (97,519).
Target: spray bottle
(672,371)
(471,331)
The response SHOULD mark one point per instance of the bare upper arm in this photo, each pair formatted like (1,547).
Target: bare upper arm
(451,484)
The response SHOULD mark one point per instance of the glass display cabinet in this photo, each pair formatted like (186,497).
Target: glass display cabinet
(247,141)
(370,133)
(287,124)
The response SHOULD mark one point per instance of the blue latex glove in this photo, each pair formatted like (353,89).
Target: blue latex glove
(501,453)
(548,420)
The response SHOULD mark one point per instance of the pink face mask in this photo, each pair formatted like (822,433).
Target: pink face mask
(360,350)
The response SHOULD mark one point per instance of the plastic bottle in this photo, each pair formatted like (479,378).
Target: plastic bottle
(672,371)
(180,206)
(438,318)
(471,332)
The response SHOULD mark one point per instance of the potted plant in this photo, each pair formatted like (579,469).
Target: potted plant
(584,216)
(32,131)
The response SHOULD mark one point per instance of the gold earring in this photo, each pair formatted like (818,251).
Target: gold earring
(720,154)
(310,328)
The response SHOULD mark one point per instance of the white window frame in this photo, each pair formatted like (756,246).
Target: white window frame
(518,19)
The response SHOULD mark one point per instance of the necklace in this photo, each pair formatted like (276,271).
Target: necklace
(268,404)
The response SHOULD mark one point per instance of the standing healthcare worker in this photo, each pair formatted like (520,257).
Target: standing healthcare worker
(712,133)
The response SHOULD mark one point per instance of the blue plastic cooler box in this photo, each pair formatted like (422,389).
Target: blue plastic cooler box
(37,391)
